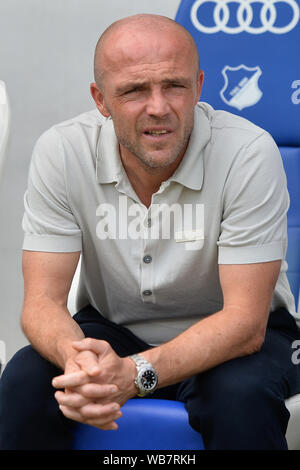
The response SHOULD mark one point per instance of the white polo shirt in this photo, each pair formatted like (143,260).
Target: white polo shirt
(155,270)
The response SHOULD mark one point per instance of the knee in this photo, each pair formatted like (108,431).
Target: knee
(29,414)
(232,398)
(237,393)
(26,372)
(239,412)
(15,373)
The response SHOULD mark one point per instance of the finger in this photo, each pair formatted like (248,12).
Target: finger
(93,390)
(101,412)
(90,344)
(74,400)
(88,361)
(72,413)
(71,366)
(100,421)
(70,380)
(109,425)
(76,416)
(112,426)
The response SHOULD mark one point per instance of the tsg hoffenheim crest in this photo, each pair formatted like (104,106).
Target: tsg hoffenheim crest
(241,88)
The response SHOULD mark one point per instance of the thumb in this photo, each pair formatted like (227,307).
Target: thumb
(71,366)
(90,344)
(88,362)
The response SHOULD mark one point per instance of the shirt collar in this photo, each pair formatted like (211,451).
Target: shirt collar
(109,167)
(189,173)
(191,169)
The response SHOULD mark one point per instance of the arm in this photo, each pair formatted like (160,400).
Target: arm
(45,319)
(50,328)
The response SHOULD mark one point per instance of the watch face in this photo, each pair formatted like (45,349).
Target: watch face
(148,379)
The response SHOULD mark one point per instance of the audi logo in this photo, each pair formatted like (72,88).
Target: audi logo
(268,15)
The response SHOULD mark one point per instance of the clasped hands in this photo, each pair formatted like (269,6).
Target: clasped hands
(96,383)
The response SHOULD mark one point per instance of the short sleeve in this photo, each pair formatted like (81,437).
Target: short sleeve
(255,204)
(48,222)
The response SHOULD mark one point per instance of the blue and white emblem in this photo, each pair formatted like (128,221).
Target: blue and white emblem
(241,88)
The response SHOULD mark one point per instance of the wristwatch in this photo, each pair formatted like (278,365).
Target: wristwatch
(147,378)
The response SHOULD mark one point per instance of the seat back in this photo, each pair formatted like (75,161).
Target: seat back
(248,50)
(291,162)
(4,123)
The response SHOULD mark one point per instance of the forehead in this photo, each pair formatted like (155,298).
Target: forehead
(140,52)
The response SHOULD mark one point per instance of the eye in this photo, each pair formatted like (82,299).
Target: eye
(136,89)
(175,85)
(128,92)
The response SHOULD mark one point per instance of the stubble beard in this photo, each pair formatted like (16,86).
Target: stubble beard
(148,159)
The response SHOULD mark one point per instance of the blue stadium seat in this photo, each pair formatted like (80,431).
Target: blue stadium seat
(146,424)
(291,162)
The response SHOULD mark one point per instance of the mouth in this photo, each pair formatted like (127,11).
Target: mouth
(157,133)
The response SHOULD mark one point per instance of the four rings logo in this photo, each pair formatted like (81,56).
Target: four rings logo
(244,17)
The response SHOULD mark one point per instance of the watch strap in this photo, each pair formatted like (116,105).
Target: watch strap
(140,360)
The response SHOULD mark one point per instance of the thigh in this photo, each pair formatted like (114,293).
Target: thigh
(121,339)
(29,415)
(271,365)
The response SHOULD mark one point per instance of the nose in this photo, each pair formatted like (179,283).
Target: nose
(157,105)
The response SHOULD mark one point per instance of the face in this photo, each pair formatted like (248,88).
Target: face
(150,87)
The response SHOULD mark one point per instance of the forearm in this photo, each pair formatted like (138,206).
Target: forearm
(216,339)
(50,329)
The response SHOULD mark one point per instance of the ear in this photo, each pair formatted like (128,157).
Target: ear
(98,97)
(199,85)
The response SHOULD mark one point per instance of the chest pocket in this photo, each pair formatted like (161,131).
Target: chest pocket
(192,239)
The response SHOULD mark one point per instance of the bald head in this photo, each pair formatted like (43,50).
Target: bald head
(140,28)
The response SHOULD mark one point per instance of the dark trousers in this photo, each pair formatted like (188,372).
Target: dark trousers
(236,405)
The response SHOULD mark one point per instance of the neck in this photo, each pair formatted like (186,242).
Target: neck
(144,179)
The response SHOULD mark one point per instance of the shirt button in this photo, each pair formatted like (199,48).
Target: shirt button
(149,223)
(147,259)
(147,292)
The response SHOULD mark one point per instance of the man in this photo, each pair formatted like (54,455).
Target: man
(195,304)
